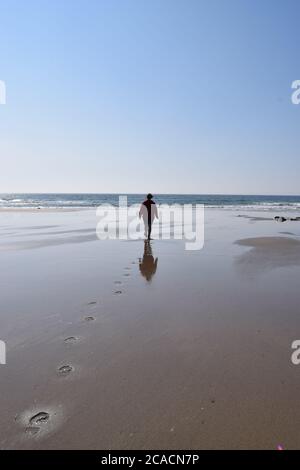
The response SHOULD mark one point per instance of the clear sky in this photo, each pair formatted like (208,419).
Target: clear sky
(179,96)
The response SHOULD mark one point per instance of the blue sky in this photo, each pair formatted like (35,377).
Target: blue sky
(180,96)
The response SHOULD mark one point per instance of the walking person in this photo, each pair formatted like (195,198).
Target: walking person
(148,211)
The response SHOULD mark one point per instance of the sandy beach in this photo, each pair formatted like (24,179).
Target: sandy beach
(149,231)
(113,346)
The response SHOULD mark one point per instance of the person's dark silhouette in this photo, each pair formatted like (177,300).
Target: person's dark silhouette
(147,264)
(148,211)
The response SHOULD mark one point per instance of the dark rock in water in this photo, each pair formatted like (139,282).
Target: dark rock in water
(280,219)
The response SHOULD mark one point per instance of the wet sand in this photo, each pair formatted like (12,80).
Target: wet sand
(122,345)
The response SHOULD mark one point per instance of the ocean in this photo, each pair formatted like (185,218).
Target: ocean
(80,200)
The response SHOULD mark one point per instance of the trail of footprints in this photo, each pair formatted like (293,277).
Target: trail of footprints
(41,419)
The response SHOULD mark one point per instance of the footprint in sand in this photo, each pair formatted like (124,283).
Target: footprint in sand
(70,339)
(36,422)
(89,318)
(32,430)
(40,421)
(39,418)
(65,370)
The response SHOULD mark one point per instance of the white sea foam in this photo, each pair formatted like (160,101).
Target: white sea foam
(278,204)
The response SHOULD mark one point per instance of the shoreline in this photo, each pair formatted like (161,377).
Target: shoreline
(238,209)
(42,209)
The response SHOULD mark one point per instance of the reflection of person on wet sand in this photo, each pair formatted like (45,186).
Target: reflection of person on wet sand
(148,211)
(148,265)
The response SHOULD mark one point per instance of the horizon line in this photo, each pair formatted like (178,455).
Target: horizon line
(158,193)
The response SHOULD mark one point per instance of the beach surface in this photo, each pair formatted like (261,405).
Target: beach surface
(120,344)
